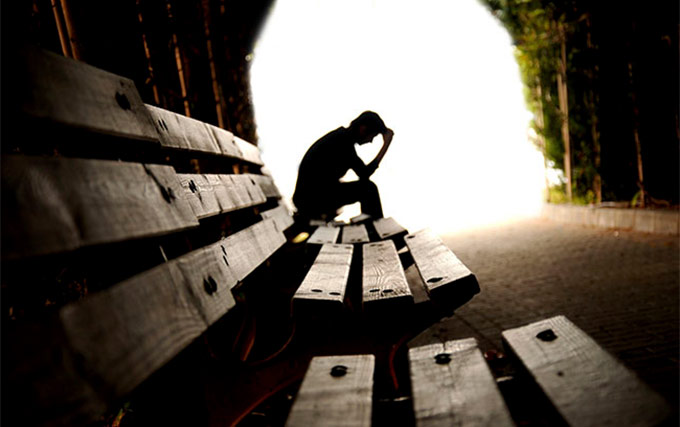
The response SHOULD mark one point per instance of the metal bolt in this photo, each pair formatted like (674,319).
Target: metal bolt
(443,358)
(339,371)
(547,335)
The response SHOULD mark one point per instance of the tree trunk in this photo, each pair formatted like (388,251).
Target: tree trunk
(541,138)
(179,62)
(211,59)
(564,107)
(636,137)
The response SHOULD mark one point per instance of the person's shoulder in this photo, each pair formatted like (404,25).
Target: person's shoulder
(339,133)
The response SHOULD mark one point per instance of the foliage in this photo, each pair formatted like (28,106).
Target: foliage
(604,57)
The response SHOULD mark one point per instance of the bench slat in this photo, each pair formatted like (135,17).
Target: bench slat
(388,228)
(212,194)
(200,194)
(324,234)
(336,391)
(586,384)
(225,141)
(355,234)
(181,132)
(58,204)
(249,151)
(244,251)
(76,94)
(452,385)
(326,280)
(281,217)
(267,185)
(243,192)
(383,275)
(441,270)
(126,332)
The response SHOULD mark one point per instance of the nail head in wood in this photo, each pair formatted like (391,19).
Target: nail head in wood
(339,371)
(443,358)
(546,335)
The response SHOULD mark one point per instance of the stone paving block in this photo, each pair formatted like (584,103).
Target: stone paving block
(621,287)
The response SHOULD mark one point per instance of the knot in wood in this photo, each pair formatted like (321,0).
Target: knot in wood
(122,101)
(210,285)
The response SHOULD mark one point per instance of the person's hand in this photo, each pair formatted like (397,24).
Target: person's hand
(387,135)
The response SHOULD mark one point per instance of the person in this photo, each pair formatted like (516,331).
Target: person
(319,193)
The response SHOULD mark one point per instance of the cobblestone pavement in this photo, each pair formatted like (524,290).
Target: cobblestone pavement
(620,287)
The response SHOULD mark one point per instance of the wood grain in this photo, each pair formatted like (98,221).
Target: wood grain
(199,192)
(453,386)
(388,228)
(59,204)
(249,151)
(354,234)
(442,272)
(242,191)
(586,384)
(267,185)
(324,234)
(225,141)
(335,400)
(126,332)
(281,217)
(326,280)
(76,94)
(383,281)
(181,132)
(244,251)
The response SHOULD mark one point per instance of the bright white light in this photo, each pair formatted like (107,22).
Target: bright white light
(440,73)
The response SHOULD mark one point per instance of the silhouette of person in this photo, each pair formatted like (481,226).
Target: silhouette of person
(319,193)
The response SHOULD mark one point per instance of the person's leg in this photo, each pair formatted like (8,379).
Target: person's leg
(365,192)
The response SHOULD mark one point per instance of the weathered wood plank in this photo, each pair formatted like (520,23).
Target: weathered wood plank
(225,141)
(362,217)
(58,204)
(126,332)
(326,280)
(324,234)
(443,273)
(200,194)
(336,391)
(281,217)
(242,191)
(354,234)
(416,284)
(249,151)
(178,131)
(586,384)
(267,185)
(244,251)
(76,94)
(383,281)
(453,386)
(388,228)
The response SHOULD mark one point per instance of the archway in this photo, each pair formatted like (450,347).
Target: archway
(441,74)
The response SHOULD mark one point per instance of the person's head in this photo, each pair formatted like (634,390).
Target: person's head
(367,126)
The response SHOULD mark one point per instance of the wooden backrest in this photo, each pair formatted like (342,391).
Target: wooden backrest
(125,228)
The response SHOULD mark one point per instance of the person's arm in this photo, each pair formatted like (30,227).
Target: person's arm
(387,140)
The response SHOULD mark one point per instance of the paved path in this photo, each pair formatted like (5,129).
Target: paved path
(620,287)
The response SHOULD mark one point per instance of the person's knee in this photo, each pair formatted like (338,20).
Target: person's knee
(369,186)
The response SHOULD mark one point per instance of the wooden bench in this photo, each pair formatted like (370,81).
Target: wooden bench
(127,232)
(145,262)
(562,371)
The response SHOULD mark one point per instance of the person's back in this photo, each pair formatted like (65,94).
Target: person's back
(319,192)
